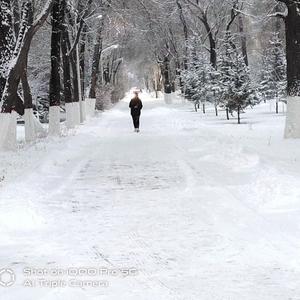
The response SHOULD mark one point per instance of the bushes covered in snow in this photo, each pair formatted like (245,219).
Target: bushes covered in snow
(229,85)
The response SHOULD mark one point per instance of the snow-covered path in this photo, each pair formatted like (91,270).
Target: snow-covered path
(200,211)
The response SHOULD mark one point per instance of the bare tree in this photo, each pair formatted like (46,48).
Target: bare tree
(20,54)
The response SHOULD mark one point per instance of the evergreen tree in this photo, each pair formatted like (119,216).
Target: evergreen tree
(188,76)
(266,87)
(238,91)
(214,87)
(197,76)
(273,75)
(202,77)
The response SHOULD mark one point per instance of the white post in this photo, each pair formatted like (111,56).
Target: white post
(292,126)
(54,120)
(30,134)
(8,131)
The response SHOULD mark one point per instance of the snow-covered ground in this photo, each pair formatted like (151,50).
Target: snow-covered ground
(195,207)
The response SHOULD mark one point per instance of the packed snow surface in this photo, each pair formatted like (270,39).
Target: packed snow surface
(195,207)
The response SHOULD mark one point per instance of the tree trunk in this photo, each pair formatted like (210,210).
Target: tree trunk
(65,48)
(292,24)
(11,99)
(167,83)
(227,113)
(17,17)
(26,22)
(66,68)
(166,72)
(96,63)
(185,32)
(212,42)
(82,59)
(55,88)
(115,73)
(178,75)
(74,78)
(243,39)
(55,54)
(239,114)
(28,103)
(156,87)
(7,41)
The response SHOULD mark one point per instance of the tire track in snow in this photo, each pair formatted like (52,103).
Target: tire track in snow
(151,276)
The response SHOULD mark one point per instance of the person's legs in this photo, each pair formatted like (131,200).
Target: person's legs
(136,122)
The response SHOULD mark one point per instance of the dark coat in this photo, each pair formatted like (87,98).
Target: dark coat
(136,106)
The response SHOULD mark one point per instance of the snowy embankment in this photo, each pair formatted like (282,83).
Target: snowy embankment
(203,208)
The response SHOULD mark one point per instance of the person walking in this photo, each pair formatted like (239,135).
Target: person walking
(136,106)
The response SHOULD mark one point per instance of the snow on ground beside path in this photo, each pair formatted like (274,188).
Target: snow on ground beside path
(202,208)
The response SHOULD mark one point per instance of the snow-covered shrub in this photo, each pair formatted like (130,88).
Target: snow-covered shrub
(109,94)
(118,93)
(103,97)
